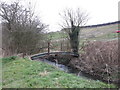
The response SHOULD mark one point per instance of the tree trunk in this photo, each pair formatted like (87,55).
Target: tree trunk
(74,40)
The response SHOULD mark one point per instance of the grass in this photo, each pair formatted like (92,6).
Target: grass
(24,73)
(57,35)
(106,37)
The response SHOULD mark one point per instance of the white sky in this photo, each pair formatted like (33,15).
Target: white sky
(100,11)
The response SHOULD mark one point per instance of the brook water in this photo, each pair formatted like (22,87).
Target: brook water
(66,69)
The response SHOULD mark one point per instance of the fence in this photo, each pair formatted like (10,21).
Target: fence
(56,45)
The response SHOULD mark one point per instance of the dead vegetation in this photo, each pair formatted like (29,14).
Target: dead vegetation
(99,59)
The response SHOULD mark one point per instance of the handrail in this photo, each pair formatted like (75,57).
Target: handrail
(45,54)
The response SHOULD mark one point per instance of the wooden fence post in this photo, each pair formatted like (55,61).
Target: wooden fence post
(67,44)
(61,46)
(48,48)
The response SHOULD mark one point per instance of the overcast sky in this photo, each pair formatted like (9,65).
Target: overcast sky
(100,11)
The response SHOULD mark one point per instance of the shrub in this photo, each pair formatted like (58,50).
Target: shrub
(100,59)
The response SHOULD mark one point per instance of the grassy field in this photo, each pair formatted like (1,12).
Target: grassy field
(24,73)
(101,33)
(91,33)
(56,35)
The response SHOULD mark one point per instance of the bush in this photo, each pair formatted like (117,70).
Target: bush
(8,59)
(100,59)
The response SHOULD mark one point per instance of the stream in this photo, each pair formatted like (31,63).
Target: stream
(66,69)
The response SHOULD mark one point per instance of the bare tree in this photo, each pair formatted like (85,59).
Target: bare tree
(72,21)
(22,30)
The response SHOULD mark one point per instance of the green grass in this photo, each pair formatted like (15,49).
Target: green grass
(108,36)
(102,33)
(56,35)
(24,73)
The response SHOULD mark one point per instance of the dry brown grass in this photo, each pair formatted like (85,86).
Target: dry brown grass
(45,73)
